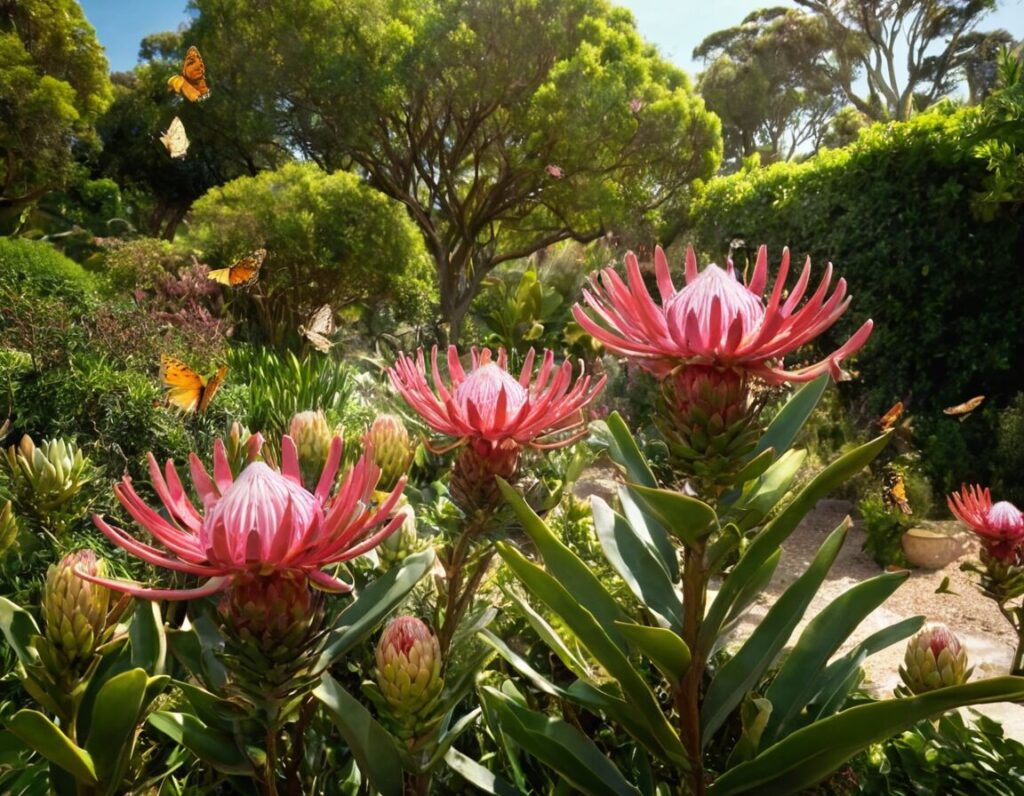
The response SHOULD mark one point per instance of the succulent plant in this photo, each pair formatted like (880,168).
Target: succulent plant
(47,481)
(935,658)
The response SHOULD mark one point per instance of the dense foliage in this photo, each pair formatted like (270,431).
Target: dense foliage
(898,213)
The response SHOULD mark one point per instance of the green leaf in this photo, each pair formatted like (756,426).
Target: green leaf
(214,712)
(650,532)
(148,642)
(809,755)
(626,452)
(791,418)
(743,671)
(371,745)
(840,676)
(114,718)
(685,517)
(756,466)
(213,747)
(754,715)
(560,746)
(592,634)
(550,636)
(567,567)
(770,539)
(373,604)
(45,737)
(636,565)
(798,679)
(18,627)
(665,649)
(761,496)
(478,776)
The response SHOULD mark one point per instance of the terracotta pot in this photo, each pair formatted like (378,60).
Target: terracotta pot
(931,549)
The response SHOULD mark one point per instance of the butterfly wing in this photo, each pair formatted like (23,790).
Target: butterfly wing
(319,341)
(175,140)
(191,83)
(894,492)
(211,387)
(322,320)
(964,409)
(185,387)
(243,273)
(888,420)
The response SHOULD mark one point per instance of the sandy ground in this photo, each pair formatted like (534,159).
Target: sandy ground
(974,618)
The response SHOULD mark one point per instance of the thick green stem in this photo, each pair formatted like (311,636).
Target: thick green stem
(688,690)
(459,598)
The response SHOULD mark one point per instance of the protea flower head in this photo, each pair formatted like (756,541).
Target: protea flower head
(392,448)
(262,522)
(1000,526)
(409,667)
(717,320)
(495,413)
(935,658)
(75,610)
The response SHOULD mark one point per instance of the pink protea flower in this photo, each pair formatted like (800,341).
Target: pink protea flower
(1000,526)
(261,523)
(489,406)
(716,320)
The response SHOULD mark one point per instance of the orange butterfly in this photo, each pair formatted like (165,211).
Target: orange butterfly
(888,420)
(191,83)
(243,273)
(894,492)
(962,410)
(186,389)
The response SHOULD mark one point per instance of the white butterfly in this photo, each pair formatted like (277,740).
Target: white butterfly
(319,328)
(175,139)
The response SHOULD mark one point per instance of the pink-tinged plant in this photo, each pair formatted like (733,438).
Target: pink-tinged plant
(716,320)
(489,406)
(1000,526)
(261,523)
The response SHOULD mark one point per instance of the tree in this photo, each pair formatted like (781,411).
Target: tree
(763,82)
(330,239)
(501,127)
(53,86)
(228,138)
(907,51)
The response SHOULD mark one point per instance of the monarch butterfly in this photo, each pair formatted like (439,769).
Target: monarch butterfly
(186,389)
(961,411)
(319,328)
(191,83)
(894,491)
(174,139)
(243,273)
(888,420)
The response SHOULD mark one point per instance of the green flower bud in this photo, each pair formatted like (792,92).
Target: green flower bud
(75,610)
(409,668)
(8,529)
(402,543)
(392,449)
(935,658)
(312,436)
(241,447)
(46,480)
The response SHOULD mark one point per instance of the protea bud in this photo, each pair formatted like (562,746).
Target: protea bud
(75,610)
(472,485)
(409,669)
(8,529)
(312,435)
(402,543)
(392,449)
(46,479)
(935,658)
(241,447)
(709,419)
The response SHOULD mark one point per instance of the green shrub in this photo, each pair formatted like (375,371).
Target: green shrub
(893,211)
(36,269)
(1008,461)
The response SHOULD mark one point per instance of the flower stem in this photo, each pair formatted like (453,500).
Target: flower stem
(688,691)
(459,598)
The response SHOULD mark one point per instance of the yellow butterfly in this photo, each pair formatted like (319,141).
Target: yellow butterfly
(243,273)
(174,139)
(894,491)
(888,420)
(319,328)
(186,389)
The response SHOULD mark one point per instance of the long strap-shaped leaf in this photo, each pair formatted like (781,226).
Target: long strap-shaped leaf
(561,746)
(574,612)
(745,668)
(809,755)
(567,567)
(791,418)
(798,678)
(776,532)
(209,745)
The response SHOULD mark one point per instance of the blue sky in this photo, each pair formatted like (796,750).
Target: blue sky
(676,26)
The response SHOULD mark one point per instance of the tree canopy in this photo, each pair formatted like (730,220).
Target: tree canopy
(53,86)
(501,127)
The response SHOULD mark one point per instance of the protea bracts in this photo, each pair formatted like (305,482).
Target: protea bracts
(935,658)
(392,449)
(409,673)
(76,613)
